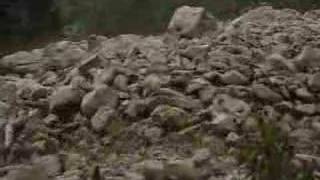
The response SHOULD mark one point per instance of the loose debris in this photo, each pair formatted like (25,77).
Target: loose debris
(173,106)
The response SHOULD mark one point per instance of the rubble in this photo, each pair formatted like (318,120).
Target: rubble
(189,96)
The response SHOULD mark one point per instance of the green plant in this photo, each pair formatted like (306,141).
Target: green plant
(269,155)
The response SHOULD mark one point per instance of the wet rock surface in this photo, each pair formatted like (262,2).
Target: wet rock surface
(172,106)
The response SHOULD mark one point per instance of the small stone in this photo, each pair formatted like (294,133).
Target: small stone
(152,170)
(152,83)
(52,164)
(135,108)
(224,123)
(171,118)
(106,76)
(121,82)
(32,173)
(153,134)
(234,77)
(193,52)
(201,156)
(278,62)
(306,109)
(102,118)
(133,176)
(4,110)
(181,170)
(309,57)
(304,94)
(232,137)
(230,105)
(51,119)
(314,82)
(65,100)
(265,93)
(101,96)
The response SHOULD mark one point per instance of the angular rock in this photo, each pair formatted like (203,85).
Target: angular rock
(65,100)
(308,58)
(234,77)
(233,106)
(102,118)
(22,62)
(121,82)
(265,93)
(52,164)
(181,170)
(61,55)
(278,62)
(201,156)
(171,118)
(24,173)
(188,21)
(304,94)
(101,96)
(314,82)
(151,83)
(4,110)
(306,109)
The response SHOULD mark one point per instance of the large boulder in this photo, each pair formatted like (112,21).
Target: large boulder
(190,21)
(65,100)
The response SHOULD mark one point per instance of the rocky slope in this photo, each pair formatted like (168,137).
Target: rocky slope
(174,106)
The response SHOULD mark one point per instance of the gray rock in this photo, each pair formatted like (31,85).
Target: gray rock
(304,94)
(265,93)
(4,110)
(152,170)
(121,82)
(153,134)
(187,21)
(65,99)
(22,62)
(171,118)
(196,52)
(24,173)
(306,109)
(52,164)
(106,76)
(101,96)
(278,62)
(62,55)
(225,103)
(314,82)
(223,123)
(201,156)
(234,77)
(136,108)
(102,118)
(152,83)
(308,58)
(8,91)
(181,170)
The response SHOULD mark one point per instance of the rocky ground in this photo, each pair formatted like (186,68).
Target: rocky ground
(173,106)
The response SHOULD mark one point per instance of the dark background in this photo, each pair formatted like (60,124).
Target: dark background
(26,24)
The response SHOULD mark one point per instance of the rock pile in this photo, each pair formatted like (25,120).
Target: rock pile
(160,107)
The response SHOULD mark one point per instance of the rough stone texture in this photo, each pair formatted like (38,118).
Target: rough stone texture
(133,98)
(186,20)
(101,96)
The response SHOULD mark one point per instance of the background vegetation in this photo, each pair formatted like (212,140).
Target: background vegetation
(111,17)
